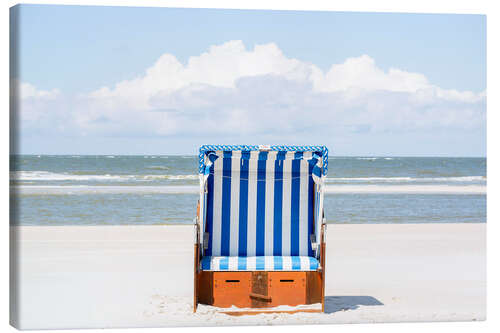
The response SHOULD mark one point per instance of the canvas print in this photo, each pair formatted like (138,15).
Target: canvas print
(211,167)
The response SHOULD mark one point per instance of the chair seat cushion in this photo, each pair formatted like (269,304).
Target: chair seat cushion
(260,263)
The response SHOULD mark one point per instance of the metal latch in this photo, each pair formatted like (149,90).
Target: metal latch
(205,240)
(260,297)
(314,245)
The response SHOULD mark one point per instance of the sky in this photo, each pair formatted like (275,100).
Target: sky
(123,80)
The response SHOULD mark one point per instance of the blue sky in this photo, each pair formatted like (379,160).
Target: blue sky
(69,53)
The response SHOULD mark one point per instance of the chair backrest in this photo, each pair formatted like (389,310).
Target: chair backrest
(260,203)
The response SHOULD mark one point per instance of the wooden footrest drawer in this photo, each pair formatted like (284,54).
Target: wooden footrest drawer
(232,288)
(287,288)
(259,289)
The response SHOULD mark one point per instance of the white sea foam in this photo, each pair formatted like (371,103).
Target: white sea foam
(47,176)
(170,177)
(374,158)
(84,189)
(405,179)
(157,167)
(52,176)
(407,189)
(367,179)
(170,189)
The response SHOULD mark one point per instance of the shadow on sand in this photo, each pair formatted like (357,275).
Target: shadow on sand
(338,303)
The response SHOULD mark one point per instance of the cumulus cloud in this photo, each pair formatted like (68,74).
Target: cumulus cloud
(234,90)
(38,111)
(27,91)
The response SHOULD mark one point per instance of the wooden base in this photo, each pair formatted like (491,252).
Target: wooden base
(260,289)
(245,313)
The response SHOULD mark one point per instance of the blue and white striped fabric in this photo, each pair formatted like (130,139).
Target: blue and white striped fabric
(260,203)
(261,263)
(321,150)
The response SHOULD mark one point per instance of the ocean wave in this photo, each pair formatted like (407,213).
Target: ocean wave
(367,179)
(367,158)
(372,158)
(46,175)
(157,167)
(89,189)
(405,179)
(184,189)
(79,176)
(171,177)
(52,176)
(406,189)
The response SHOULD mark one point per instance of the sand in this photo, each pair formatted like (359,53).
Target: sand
(141,276)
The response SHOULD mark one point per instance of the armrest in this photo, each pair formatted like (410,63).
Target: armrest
(198,211)
(314,244)
(196,222)
(205,240)
(196,232)
(323,231)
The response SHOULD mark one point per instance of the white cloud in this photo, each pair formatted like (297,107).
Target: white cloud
(362,73)
(221,66)
(38,110)
(27,90)
(232,90)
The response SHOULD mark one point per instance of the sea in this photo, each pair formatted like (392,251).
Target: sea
(52,190)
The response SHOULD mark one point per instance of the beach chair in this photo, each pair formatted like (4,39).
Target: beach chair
(260,227)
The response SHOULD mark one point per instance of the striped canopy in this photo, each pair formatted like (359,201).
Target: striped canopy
(261,201)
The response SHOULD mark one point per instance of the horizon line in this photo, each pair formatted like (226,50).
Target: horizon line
(195,155)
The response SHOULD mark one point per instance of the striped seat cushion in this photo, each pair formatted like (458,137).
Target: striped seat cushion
(260,263)
(260,204)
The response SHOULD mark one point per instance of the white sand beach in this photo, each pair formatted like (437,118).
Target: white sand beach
(142,276)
